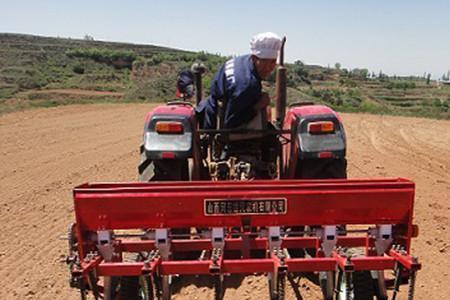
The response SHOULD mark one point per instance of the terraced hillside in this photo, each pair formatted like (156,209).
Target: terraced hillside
(43,71)
(31,66)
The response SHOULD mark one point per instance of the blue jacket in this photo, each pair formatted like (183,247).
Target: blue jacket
(243,91)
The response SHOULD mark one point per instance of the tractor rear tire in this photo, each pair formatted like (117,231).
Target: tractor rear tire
(328,168)
(133,287)
(363,286)
(136,288)
(164,170)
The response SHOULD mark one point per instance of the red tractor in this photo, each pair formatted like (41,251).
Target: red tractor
(208,203)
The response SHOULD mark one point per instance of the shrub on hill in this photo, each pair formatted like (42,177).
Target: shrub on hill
(6,90)
(348,82)
(332,96)
(117,58)
(23,77)
(79,69)
(404,85)
(444,105)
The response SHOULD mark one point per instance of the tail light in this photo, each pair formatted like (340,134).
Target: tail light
(167,155)
(325,154)
(320,127)
(169,127)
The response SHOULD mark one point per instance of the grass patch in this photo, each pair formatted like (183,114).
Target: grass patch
(8,90)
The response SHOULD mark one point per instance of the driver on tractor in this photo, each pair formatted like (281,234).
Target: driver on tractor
(238,81)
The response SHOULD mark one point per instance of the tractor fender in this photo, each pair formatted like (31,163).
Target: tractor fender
(314,149)
(167,145)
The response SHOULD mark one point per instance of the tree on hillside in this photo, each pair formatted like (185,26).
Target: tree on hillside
(382,76)
(88,37)
(360,73)
(337,66)
(446,77)
(300,71)
(428,78)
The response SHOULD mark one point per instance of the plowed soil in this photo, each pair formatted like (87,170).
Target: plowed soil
(46,152)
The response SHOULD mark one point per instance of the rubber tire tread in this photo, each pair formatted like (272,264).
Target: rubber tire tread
(129,288)
(321,168)
(363,288)
(281,286)
(166,170)
(218,288)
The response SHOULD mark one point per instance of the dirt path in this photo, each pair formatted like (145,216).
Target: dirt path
(45,152)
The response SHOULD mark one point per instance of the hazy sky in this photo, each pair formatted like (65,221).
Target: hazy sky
(396,36)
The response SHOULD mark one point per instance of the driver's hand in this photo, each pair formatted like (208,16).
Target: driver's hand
(263,102)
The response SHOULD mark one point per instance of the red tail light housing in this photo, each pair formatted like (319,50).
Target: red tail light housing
(321,127)
(325,154)
(169,127)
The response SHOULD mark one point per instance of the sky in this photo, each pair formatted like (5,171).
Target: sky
(397,37)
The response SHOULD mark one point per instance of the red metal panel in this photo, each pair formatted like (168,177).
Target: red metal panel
(183,185)
(184,267)
(236,244)
(299,242)
(308,110)
(342,262)
(311,264)
(230,244)
(353,241)
(170,110)
(248,266)
(87,266)
(176,245)
(120,269)
(181,204)
(137,246)
(406,260)
(364,262)
(373,263)
(126,206)
(192,267)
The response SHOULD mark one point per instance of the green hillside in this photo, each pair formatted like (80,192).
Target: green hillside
(43,71)
(139,71)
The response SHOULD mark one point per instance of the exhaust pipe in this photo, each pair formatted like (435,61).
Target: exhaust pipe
(198,69)
(280,100)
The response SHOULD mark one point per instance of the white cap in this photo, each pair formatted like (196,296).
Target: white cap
(265,45)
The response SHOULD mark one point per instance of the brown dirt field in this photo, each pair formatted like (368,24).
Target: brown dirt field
(46,152)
